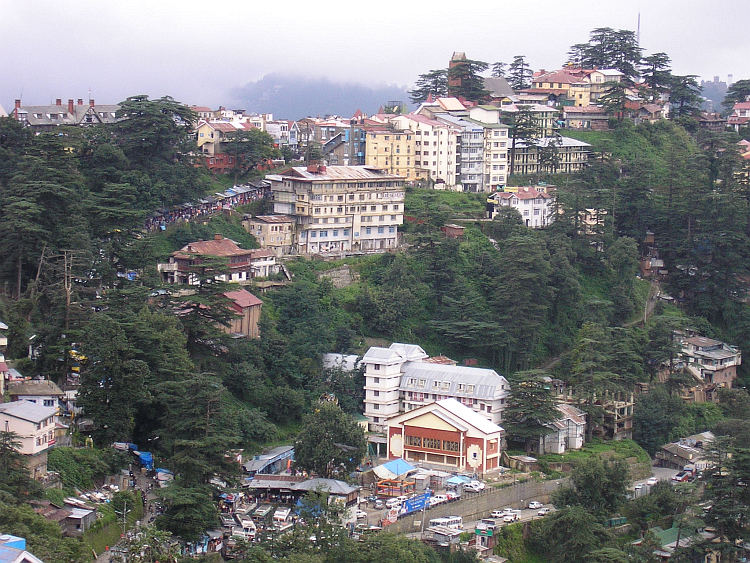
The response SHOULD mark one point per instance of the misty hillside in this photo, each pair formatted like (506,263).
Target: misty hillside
(295,97)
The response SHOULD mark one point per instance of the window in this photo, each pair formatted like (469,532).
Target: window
(376,367)
(469,388)
(391,229)
(376,406)
(446,385)
(422,383)
(381,230)
(49,402)
(414,441)
(412,382)
(431,443)
(335,232)
(376,380)
(368,230)
(313,234)
(435,384)
(323,234)
(376,393)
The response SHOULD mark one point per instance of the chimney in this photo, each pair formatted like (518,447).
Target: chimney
(18,104)
(70,106)
(15,110)
(80,101)
(218,236)
(58,102)
(91,102)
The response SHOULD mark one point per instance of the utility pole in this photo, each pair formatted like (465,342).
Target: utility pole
(124,513)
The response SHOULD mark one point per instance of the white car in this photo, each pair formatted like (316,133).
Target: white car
(474,486)
(438,499)
(361,514)
(497,514)
(544,511)
(653,481)
(535,505)
(512,517)
(392,503)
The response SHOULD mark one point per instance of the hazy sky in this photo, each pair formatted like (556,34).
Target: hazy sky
(200,52)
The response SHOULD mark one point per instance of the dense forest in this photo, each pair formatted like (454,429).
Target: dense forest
(565,301)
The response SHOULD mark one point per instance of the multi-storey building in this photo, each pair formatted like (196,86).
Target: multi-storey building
(571,155)
(536,207)
(242,264)
(402,378)
(275,232)
(393,151)
(340,209)
(470,145)
(544,117)
(35,426)
(710,361)
(435,147)
(46,118)
(601,81)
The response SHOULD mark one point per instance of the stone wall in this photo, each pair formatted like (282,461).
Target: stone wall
(477,506)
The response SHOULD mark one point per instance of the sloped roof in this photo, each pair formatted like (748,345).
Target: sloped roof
(393,469)
(523,194)
(451,104)
(562,142)
(466,414)
(557,76)
(379,355)
(498,87)
(243,298)
(340,173)
(485,381)
(34,387)
(332,486)
(213,247)
(571,412)
(26,410)
(410,352)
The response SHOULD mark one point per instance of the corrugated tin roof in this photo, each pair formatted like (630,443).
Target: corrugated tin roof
(487,382)
(332,173)
(467,415)
(26,410)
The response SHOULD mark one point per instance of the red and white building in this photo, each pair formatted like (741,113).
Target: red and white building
(243,264)
(537,208)
(446,434)
(740,116)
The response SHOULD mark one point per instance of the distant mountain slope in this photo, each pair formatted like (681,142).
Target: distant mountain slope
(295,97)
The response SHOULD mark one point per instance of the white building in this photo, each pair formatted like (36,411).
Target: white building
(401,378)
(340,209)
(35,426)
(536,207)
(435,147)
(568,431)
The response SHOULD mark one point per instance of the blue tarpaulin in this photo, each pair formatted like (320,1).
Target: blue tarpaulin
(393,469)
(162,470)
(147,460)
(457,480)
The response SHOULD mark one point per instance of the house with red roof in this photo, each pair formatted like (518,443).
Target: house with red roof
(242,264)
(246,308)
(536,207)
(740,116)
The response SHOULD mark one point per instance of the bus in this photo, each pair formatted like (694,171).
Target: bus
(449,521)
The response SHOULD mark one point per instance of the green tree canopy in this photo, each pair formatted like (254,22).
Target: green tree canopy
(331,441)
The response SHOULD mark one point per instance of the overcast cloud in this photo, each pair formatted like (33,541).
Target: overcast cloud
(204,52)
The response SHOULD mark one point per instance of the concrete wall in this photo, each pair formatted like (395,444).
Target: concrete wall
(477,506)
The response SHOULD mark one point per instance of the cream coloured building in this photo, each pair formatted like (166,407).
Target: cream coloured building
(275,232)
(392,151)
(435,148)
(340,209)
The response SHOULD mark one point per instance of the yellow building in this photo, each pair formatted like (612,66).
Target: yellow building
(580,94)
(393,151)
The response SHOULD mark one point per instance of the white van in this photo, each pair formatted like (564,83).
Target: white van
(455,522)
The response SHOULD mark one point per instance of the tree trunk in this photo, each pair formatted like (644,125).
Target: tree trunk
(18,278)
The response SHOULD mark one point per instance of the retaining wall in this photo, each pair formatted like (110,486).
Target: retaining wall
(477,506)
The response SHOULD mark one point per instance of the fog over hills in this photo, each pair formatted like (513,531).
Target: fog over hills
(295,97)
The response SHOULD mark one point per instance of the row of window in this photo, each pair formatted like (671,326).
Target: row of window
(345,232)
(432,443)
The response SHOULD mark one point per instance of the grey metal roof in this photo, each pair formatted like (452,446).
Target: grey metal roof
(498,87)
(26,410)
(378,355)
(410,352)
(487,383)
(343,173)
(332,486)
(562,142)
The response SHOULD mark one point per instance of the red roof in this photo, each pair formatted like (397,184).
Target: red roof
(243,298)
(214,247)
(742,105)
(559,76)
(523,193)
(3,367)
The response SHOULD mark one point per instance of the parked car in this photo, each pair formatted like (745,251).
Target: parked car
(535,504)
(452,495)
(379,504)
(652,481)
(474,486)
(544,511)
(497,514)
(392,503)
(681,477)
(438,499)
(361,515)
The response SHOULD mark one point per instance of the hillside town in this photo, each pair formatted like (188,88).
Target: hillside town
(503,321)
